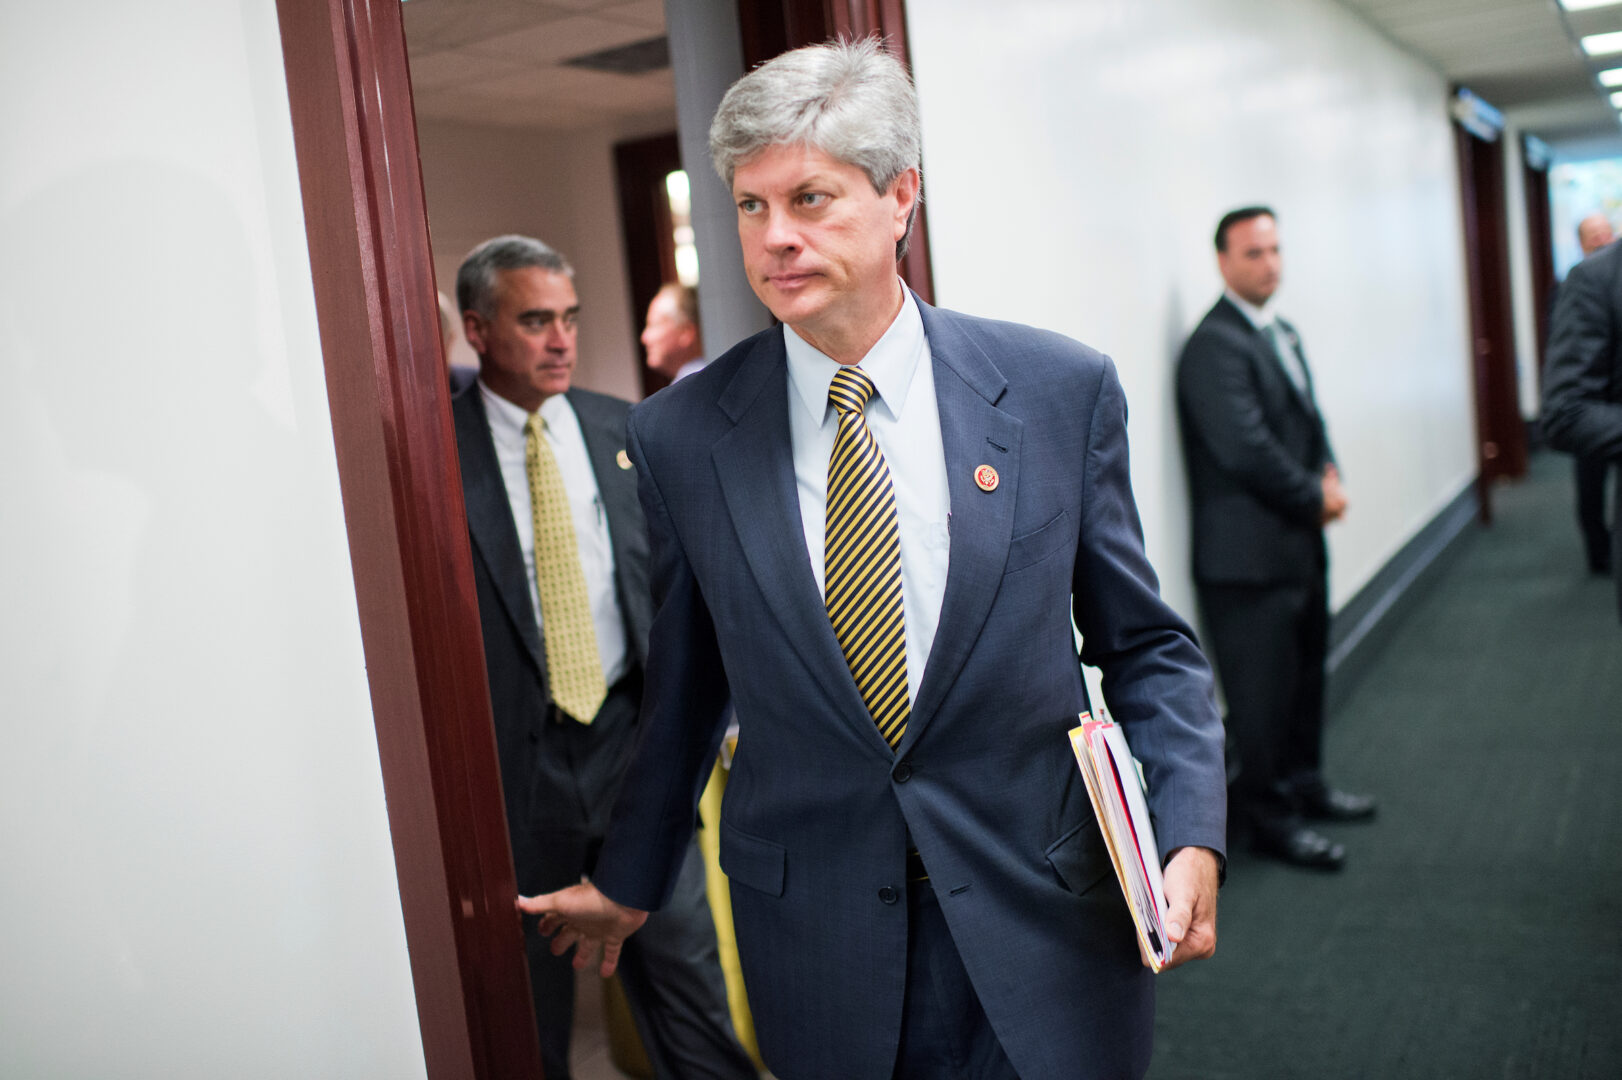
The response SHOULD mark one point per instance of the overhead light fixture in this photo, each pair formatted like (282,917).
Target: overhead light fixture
(1616,100)
(1611,77)
(1603,44)
(1584,5)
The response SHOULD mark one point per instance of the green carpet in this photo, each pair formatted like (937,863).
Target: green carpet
(1476,930)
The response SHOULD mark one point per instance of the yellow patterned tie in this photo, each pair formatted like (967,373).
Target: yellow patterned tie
(863,560)
(574,667)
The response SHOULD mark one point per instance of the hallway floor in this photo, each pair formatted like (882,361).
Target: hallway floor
(1477,928)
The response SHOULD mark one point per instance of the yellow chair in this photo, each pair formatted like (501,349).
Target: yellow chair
(624,1048)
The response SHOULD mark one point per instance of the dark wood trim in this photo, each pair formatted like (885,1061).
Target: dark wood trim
(640,168)
(1501,444)
(1540,249)
(770,27)
(355,137)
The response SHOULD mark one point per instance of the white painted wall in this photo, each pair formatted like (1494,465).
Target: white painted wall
(198,880)
(1077,158)
(559,187)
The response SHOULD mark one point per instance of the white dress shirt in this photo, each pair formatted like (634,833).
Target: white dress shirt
(1262,318)
(906,423)
(562,434)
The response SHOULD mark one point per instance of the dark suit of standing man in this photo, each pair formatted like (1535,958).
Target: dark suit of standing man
(559,771)
(1263,484)
(1593,234)
(918,884)
(1582,388)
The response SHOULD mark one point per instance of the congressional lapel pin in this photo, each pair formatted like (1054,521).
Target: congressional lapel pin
(623,459)
(986,477)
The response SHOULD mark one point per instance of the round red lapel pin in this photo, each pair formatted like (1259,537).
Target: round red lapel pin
(986,477)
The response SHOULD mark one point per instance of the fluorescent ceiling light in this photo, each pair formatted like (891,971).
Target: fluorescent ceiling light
(1616,100)
(1611,77)
(1603,44)
(1584,5)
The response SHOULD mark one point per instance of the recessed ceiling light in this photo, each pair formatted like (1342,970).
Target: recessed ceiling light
(1603,44)
(1616,100)
(1611,77)
(1584,5)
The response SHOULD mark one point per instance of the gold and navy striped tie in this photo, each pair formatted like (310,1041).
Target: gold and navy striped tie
(863,560)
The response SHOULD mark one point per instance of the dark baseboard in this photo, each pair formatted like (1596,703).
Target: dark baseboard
(1364,624)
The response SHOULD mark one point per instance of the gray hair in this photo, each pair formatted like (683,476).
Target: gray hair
(849,99)
(476,279)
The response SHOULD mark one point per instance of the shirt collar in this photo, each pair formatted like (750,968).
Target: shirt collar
(890,363)
(507,420)
(1259,316)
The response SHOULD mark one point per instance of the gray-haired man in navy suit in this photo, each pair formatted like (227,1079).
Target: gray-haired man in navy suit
(872,526)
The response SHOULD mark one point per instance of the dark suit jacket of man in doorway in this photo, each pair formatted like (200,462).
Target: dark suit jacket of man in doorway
(1582,388)
(1263,483)
(937,902)
(559,776)
(1594,233)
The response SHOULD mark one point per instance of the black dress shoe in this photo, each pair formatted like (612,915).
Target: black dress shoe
(1300,846)
(1324,803)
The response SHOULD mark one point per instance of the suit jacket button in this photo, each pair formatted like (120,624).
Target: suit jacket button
(903,773)
(888,895)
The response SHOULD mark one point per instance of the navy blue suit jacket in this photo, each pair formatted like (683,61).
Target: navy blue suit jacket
(818,810)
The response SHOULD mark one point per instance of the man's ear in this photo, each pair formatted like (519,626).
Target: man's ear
(473,330)
(905,188)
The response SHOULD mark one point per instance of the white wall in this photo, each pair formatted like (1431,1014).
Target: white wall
(198,880)
(1078,156)
(558,187)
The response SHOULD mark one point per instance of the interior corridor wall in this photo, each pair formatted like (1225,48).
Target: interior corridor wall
(1077,158)
(198,878)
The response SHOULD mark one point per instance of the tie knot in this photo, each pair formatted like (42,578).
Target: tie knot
(851,390)
(535,425)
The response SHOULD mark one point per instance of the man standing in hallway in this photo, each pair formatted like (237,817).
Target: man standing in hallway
(1593,233)
(1263,484)
(1582,388)
(671,335)
(872,525)
(560,560)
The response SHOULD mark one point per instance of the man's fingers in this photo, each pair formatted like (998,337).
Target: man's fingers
(611,959)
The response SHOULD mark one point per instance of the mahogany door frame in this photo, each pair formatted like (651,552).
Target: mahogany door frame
(355,136)
(1540,248)
(640,168)
(1501,443)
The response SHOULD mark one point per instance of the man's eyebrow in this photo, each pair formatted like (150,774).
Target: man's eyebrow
(530,313)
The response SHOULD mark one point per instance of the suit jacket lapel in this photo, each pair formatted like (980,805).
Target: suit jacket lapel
(1304,395)
(754,463)
(490,519)
(974,432)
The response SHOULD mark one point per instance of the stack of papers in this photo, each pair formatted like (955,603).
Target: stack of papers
(1123,817)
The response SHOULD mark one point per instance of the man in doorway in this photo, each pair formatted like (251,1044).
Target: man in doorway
(672,338)
(1582,389)
(1593,233)
(871,526)
(1263,484)
(560,560)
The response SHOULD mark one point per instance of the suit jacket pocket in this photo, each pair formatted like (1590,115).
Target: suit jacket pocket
(1037,545)
(749,860)
(1080,858)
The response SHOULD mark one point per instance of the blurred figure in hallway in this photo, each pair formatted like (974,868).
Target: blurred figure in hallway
(1593,233)
(672,336)
(1582,389)
(1263,483)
